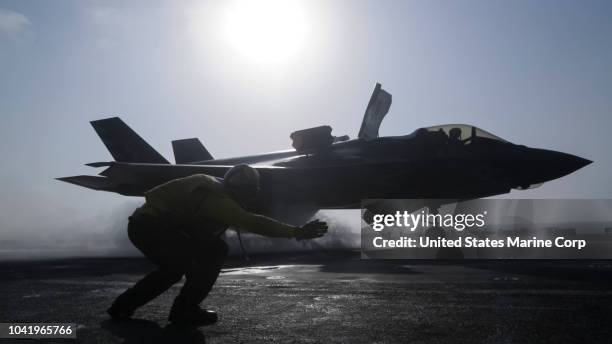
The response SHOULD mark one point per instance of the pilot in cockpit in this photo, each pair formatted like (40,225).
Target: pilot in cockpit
(454,137)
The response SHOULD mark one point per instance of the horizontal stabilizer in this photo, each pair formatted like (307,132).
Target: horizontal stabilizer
(189,150)
(91,182)
(99,164)
(124,144)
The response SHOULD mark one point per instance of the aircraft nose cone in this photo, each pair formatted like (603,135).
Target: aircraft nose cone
(576,162)
(553,165)
(568,163)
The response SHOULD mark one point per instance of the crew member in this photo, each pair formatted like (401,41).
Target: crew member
(178,228)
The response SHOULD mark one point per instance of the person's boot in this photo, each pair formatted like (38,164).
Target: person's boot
(119,310)
(191,316)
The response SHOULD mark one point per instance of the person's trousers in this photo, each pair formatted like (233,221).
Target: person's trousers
(175,254)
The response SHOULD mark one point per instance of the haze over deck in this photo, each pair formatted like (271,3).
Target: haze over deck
(532,72)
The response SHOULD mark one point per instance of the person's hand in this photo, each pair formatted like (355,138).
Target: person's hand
(311,230)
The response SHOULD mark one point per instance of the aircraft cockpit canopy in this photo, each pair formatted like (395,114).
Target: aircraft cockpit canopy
(461,132)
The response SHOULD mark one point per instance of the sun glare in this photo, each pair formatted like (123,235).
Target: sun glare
(265,32)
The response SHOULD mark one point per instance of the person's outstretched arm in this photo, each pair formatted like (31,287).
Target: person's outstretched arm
(226,211)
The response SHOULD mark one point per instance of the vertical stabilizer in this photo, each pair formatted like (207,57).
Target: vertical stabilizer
(189,150)
(124,144)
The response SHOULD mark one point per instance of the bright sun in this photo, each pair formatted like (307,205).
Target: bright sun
(266,32)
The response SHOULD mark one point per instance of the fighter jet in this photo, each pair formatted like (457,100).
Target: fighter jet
(322,171)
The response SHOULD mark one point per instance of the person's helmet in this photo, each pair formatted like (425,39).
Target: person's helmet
(242,178)
(455,133)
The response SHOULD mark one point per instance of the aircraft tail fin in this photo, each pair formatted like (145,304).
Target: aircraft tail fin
(124,144)
(189,150)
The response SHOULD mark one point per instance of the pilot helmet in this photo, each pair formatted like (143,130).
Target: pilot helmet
(455,133)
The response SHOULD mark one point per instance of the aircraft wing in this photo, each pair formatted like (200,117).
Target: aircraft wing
(133,179)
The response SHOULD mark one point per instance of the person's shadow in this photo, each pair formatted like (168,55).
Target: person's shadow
(134,331)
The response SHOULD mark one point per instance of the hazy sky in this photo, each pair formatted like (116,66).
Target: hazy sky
(243,77)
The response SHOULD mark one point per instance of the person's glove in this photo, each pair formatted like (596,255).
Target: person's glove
(311,230)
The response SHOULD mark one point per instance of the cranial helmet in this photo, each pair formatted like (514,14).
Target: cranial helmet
(242,177)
